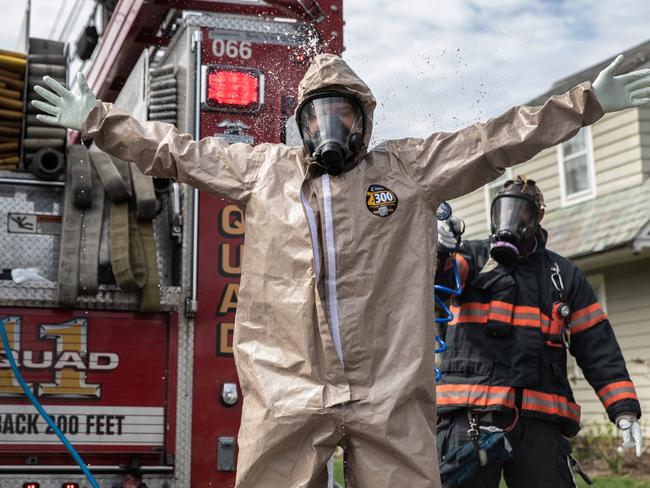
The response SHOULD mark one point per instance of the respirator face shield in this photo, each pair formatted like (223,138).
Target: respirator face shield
(332,128)
(514,220)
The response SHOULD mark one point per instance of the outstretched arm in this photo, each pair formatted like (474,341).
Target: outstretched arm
(449,165)
(158,149)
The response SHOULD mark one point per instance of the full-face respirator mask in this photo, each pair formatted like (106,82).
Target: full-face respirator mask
(331,126)
(515,216)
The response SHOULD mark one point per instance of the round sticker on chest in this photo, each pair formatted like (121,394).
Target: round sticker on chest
(381,201)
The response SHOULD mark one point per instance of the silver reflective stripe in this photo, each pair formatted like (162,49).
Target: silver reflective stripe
(314,233)
(330,472)
(331,268)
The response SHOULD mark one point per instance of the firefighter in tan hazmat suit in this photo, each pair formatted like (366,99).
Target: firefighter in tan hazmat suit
(334,336)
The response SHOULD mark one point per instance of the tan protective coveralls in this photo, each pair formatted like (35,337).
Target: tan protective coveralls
(334,331)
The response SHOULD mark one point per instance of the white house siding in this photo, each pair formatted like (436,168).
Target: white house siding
(617,152)
(628,305)
(644,127)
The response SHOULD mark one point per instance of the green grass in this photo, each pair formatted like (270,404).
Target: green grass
(607,482)
(616,482)
(599,482)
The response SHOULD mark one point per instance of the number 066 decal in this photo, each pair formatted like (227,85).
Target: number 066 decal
(381,201)
(232,49)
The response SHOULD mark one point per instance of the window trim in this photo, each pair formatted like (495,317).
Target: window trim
(590,192)
(486,194)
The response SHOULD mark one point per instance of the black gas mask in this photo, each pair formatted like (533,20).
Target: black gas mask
(332,126)
(515,220)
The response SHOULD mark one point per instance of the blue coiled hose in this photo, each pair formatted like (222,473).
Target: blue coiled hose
(449,314)
(12,362)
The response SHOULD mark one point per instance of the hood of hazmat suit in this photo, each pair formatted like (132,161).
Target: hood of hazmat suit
(334,337)
(331,80)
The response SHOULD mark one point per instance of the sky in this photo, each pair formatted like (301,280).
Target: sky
(439,65)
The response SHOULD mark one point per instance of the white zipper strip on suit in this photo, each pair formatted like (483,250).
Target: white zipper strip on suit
(314,233)
(331,268)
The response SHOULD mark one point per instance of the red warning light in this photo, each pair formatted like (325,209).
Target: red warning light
(234,89)
(69,485)
(31,484)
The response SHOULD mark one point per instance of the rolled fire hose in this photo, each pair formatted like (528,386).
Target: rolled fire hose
(151,290)
(132,243)
(11,74)
(7,93)
(68,277)
(56,59)
(35,144)
(118,190)
(55,71)
(91,231)
(82,187)
(162,115)
(164,83)
(12,63)
(10,104)
(82,224)
(47,164)
(11,115)
(46,132)
(10,131)
(163,100)
(162,70)
(11,83)
(105,243)
(163,107)
(163,93)
(127,253)
(145,196)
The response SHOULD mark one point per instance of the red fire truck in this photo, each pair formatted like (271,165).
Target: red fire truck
(152,393)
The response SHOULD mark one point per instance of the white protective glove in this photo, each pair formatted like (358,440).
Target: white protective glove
(624,91)
(449,232)
(65,108)
(628,424)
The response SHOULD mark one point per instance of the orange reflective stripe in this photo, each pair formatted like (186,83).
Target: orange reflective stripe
(502,305)
(550,404)
(587,317)
(526,316)
(620,390)
(474,395)
(585,311)
(481,313)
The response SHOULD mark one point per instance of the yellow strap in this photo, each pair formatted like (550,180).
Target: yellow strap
(127,255)
(151,291)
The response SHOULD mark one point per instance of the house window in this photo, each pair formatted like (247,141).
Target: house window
(491,189)
(576,167)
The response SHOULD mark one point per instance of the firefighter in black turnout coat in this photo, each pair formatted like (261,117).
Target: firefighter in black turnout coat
(521,308)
